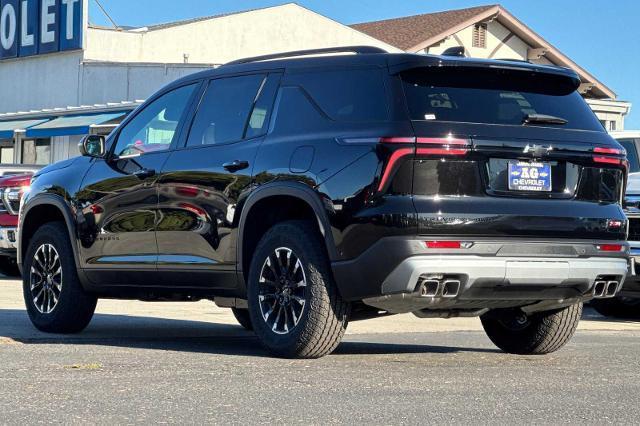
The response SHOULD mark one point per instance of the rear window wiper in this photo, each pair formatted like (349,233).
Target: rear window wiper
(543,119)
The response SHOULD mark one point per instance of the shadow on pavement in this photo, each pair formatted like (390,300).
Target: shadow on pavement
(590,314)
(186,336)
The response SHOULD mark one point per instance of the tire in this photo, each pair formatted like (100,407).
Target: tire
(621,307)
(538,334)
(315,314)
(9,267)
(75,307)
(243,318)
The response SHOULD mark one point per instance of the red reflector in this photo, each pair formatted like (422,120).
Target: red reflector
(607,160)
(613,151)
(395,157)
(443,244)
(396,139)
(610,247)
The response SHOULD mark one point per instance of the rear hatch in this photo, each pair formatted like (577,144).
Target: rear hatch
(511,152)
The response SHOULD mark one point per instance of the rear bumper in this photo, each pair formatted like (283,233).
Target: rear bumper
(8,240)
(391,275)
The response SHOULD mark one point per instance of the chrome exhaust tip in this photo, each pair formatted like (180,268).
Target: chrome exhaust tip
(599,289)
(612,289)
(429,288)
(451,288)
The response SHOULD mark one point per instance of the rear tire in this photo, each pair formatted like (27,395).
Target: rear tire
(537,334)
(621,307)
(9,267)
(243,318)
(53,294)
(294,303)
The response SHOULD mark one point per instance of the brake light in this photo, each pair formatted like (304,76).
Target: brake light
(395,157)
(607,160)
(397,140)
(443,244)
(442,146)
(610,247)
(614,151)
(602,159)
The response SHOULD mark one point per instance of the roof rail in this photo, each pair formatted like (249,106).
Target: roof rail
(361,50)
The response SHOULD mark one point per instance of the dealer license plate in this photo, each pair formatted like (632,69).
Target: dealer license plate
(525,176)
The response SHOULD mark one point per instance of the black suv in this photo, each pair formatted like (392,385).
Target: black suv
(309,189)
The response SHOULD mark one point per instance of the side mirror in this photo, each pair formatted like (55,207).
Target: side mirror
(92,146)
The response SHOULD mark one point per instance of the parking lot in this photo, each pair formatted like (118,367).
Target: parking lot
(191,363)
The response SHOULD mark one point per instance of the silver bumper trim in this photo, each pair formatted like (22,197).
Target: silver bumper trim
(510,271)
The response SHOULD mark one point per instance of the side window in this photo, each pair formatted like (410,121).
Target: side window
(224,111)
(155,127)
(348,95)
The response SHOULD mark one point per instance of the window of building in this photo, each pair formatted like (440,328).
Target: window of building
(36,151)
(613,126)
(225,109)
(480,36)
(155,127)
(6,151)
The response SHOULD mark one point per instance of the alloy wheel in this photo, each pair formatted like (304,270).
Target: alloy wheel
(45,278)
(282,290)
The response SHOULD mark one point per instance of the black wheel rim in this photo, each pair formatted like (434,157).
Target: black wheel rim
(45,278)
(282,290)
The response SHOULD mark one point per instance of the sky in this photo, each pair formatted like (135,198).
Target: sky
(601,36)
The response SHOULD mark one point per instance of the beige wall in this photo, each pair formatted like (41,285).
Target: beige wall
(216,41)
(514,48)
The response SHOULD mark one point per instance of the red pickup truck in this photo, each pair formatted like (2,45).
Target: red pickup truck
(14,182)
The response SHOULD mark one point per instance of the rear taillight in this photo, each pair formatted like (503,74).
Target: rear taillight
(606,156)
(448,146)
(395,157)
(440,147)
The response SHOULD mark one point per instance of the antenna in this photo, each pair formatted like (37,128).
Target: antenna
(107,15)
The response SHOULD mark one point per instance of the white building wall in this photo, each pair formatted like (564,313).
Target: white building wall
(41,82)
(216,41)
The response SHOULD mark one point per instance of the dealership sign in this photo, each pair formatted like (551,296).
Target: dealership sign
(36,27)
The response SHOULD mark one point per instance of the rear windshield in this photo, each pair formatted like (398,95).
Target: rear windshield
(494,97)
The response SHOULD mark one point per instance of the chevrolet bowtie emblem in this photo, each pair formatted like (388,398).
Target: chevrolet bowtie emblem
(537,150)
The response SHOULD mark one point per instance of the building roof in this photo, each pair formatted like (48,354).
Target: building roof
(409,31)
(418,32)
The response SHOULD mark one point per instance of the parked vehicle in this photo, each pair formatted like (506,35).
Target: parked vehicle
(13,183)
(627,305)
(306,191)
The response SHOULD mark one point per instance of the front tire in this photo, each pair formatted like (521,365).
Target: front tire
(537,334)
(243,318)
(54,297)
(294,303)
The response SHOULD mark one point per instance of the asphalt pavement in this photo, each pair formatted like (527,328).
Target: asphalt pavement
(190,363)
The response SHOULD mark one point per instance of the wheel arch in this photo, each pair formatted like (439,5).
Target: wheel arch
(43,209)
(290,190)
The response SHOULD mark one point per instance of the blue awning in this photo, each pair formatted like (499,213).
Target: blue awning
(71,125)
(8,128)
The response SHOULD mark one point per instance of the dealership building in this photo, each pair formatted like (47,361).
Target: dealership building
(62,78)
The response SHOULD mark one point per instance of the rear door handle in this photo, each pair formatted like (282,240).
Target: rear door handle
(236,165)
(144,173)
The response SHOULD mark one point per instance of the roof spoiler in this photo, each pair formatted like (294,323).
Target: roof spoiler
(360,50)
